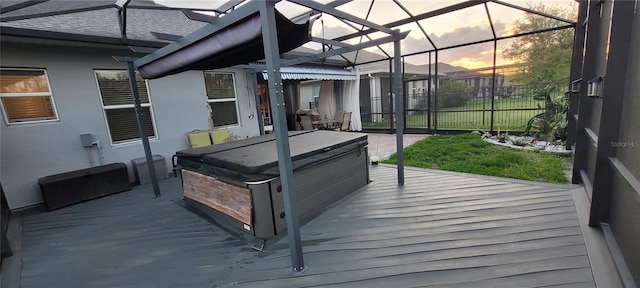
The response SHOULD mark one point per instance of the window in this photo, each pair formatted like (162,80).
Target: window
(221,94)
(26,96)
(118,107)
(316,97)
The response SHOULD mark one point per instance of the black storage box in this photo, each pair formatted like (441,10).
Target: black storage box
(81,185)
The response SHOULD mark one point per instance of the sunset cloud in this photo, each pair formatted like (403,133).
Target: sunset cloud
(473,56)
(450,29)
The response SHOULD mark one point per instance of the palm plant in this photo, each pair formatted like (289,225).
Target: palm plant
(551,124)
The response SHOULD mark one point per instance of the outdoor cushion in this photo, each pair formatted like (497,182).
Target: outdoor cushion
(219,136)
(199,139)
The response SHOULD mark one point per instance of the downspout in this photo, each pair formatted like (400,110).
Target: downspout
(253,80)
(372,98)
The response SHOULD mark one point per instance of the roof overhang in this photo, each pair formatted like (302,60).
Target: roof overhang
(71,37)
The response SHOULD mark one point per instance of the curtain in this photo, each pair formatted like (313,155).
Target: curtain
(327,100)
(351,101)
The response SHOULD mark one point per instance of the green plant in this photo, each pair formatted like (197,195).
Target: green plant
(551,124)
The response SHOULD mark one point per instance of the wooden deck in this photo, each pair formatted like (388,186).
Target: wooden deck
(440,230)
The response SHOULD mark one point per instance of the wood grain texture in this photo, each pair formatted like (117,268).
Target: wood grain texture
(227,198)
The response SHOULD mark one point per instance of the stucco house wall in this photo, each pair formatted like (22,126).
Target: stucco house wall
(33,150)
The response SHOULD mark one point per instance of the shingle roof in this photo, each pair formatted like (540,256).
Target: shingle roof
(51,6)
(96,20)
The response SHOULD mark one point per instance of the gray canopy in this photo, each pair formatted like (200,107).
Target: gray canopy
(239,43)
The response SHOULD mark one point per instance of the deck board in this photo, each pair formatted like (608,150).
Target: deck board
(440,230)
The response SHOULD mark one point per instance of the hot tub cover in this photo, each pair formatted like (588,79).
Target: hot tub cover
(256,159)
(196,154)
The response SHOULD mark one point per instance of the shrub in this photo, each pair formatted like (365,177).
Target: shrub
(453,94)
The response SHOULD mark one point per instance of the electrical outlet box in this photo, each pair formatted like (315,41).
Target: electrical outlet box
(87,140)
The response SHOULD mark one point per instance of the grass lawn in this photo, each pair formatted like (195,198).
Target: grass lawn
(468,153)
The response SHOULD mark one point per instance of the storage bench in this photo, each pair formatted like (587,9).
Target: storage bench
(81,185)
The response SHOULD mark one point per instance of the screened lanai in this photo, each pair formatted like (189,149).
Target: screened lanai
(459,41)
(362,33)
(455,41)
(234,37)
(447,41)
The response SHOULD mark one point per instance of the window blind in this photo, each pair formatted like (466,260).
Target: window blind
(119,109)
(28,108)
(123,124)
(224,113)
(26,96)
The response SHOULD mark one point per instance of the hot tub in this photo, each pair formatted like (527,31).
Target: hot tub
(238,182)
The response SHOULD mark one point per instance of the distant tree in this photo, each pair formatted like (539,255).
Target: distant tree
(546,56)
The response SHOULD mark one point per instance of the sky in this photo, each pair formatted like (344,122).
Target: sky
(463,26)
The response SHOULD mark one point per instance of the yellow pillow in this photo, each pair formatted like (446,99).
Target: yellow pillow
(219,136)
(199,139)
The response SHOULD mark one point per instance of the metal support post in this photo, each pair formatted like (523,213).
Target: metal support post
(392,116)
(576,73)
(613,94)
(589,70)
(397,90)
(142,129)
(493,76)
(429,96)
(493,86)
(435,97)
(276,92)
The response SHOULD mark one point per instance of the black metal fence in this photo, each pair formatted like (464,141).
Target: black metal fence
(458,108)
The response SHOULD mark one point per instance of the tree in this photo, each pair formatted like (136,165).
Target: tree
(546,56)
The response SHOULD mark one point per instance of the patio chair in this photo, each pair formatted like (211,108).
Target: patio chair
(306,123)
(346,122)
(198,138)
(338,117)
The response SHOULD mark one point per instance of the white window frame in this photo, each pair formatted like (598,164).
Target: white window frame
(29,94)
(316,97)
(235,99)
(125,106)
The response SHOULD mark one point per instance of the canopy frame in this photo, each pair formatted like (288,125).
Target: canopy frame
(266,10)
